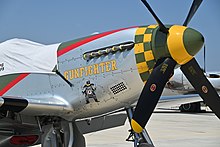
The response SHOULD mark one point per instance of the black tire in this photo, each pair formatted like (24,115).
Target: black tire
(191,107)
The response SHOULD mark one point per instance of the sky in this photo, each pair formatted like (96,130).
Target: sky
(54,21)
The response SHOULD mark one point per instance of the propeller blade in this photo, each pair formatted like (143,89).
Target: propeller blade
(196,77)
(192,11)
(204,58)
(161,25)
(151,93)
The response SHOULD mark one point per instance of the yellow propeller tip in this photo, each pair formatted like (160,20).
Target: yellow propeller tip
(136,127)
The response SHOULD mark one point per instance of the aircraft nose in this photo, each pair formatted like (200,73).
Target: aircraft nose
(183,43)
(193,41)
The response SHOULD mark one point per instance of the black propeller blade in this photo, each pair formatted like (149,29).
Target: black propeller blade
(204,58)
(151,93)
(192,11)
(161,25)
(196,77)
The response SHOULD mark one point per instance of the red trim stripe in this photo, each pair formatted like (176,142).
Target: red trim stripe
(87,40)
(60,53)
(13,83)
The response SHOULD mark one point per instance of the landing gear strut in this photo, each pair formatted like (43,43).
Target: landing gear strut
(62,133)
(140,139)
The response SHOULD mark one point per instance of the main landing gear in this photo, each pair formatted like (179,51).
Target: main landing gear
(140,139)
(62,133)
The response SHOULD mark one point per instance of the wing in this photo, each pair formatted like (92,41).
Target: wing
(171,101)
(103,122)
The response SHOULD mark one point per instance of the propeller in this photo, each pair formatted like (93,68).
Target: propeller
(196,77)
(161,25)
(151,93)
(163,70)
(192,11)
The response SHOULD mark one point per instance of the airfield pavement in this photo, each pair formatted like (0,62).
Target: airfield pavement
(167,129)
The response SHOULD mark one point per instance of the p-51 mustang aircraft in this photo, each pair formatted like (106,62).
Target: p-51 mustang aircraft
(47,90)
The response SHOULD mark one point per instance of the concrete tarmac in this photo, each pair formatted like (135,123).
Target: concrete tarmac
(167,129)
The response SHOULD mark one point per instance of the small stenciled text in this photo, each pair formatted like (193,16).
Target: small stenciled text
(2,68)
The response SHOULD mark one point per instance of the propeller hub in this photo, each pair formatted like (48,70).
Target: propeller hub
(193,41)
(184,43)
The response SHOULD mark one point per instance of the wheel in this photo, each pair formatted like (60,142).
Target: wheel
(190,107)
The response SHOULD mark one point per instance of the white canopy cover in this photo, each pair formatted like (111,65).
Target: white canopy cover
(24,56)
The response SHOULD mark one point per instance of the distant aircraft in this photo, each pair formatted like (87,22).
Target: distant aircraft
(178,92)
(47,91)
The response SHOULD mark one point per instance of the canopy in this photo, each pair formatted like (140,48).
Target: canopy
(24,56)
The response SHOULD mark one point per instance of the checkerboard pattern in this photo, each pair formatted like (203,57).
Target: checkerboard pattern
(118,88)
(143,51)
